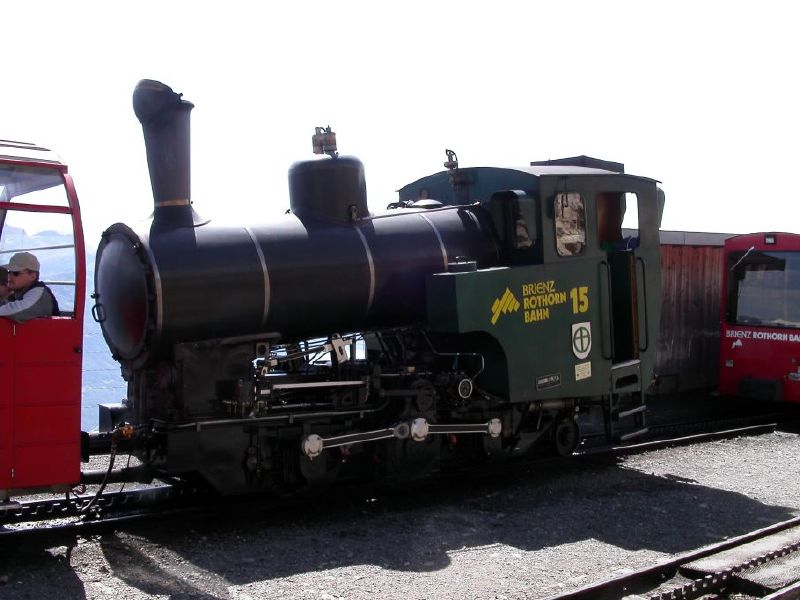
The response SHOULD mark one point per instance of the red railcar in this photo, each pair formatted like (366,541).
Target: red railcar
(760,317)
(40,360)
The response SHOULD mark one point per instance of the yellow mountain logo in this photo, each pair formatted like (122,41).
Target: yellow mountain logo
(505,304)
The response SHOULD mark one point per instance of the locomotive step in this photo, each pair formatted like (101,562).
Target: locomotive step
(632,411)
(633,434)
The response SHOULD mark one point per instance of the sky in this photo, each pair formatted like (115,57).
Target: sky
(698,95)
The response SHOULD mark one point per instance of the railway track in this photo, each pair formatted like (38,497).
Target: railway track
(761,564)
(91,512)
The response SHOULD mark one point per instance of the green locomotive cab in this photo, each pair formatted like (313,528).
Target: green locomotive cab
(568,321)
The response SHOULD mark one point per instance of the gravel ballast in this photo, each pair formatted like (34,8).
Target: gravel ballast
(527,532)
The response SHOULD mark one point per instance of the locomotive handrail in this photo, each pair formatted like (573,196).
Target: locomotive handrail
(420,210)
(642,301)
(606,312)
(98,313)
(289,417)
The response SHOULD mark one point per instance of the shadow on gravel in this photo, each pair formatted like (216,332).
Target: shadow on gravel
(52,575)
(532,508)
(138,569)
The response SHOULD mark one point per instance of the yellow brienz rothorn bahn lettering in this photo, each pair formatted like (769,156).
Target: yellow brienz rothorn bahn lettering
(538,297)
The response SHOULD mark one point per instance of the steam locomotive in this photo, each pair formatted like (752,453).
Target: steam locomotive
(478,316)
(489,312)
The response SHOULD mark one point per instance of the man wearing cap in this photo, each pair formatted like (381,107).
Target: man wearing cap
(4,291)
(29,298)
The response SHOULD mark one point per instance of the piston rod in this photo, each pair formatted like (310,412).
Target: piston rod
(417,429)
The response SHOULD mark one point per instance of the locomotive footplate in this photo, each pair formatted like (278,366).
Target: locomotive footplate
(417,429)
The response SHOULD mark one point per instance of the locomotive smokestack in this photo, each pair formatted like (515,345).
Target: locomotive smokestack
(164,116)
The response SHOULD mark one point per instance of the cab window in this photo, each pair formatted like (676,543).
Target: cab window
(617,221)
(570,222)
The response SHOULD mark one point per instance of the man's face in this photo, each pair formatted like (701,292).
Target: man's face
(20,281)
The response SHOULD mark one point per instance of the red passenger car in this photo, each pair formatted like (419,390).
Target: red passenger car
(760,317)
(40,360)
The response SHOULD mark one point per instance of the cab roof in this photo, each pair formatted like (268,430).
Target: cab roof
(482,181)
(28,152)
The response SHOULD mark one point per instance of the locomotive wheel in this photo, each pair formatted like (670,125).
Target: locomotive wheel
(319,474)
(399,463)
(301,477)
(566,437)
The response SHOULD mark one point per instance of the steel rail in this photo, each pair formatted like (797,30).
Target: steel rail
(646,580)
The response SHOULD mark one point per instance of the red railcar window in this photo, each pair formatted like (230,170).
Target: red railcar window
(34,217)
(763,289)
